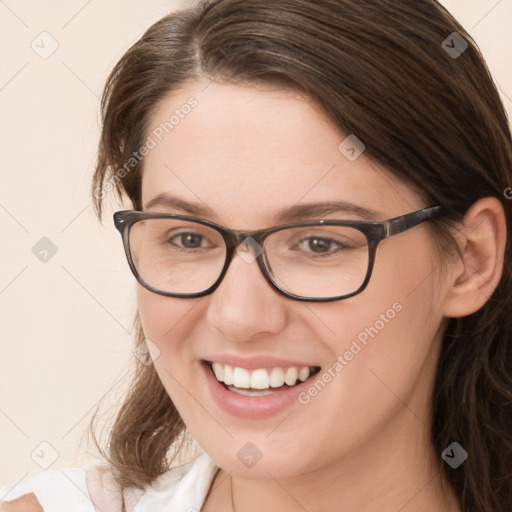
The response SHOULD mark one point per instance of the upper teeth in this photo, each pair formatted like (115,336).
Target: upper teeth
(260,378)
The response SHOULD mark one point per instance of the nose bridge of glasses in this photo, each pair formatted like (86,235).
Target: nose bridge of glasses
(247,244)
(237,240)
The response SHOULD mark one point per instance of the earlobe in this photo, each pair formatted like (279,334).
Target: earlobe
(482,244)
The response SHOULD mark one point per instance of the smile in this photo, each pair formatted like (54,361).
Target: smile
(260,381)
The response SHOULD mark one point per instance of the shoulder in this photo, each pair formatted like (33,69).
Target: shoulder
(183,487)
(53,490)
(28,503)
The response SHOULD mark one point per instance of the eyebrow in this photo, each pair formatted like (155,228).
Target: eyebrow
(289,214)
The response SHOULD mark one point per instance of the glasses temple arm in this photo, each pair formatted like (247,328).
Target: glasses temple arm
(409,220)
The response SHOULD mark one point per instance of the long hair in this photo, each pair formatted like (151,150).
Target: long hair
(426,108)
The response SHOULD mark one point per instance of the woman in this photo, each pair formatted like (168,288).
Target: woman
(268,150)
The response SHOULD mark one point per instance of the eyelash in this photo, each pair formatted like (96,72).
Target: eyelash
(339,246)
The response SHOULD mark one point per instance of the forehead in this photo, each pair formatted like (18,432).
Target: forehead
(244,152)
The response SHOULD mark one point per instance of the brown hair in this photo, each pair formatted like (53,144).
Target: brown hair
(435,120)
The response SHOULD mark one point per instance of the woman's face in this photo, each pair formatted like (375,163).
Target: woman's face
(243,154)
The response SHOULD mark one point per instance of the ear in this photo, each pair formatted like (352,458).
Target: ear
(482,244)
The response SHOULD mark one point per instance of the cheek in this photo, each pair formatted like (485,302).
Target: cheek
(170,323)
(402,299)
(384,339)
(166,320)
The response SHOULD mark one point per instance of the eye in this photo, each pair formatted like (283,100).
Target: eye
(188,240)
(320,245)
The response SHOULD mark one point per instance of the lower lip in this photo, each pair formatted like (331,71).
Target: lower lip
(251,407)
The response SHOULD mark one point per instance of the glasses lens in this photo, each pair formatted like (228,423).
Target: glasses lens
(177,256)
(318,261)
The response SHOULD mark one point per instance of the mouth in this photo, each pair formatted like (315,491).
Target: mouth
(260,381)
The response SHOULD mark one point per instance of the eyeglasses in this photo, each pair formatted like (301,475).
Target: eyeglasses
(316,261)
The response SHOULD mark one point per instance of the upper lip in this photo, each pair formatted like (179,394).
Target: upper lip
(255,362)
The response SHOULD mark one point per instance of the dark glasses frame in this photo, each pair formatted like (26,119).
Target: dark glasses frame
(374,232)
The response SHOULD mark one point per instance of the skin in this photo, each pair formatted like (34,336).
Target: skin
(362,443)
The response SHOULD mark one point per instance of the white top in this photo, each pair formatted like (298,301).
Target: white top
(181,489)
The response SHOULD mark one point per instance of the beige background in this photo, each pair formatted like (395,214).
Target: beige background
(65,324)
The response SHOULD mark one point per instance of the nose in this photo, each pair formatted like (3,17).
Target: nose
(245,306)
